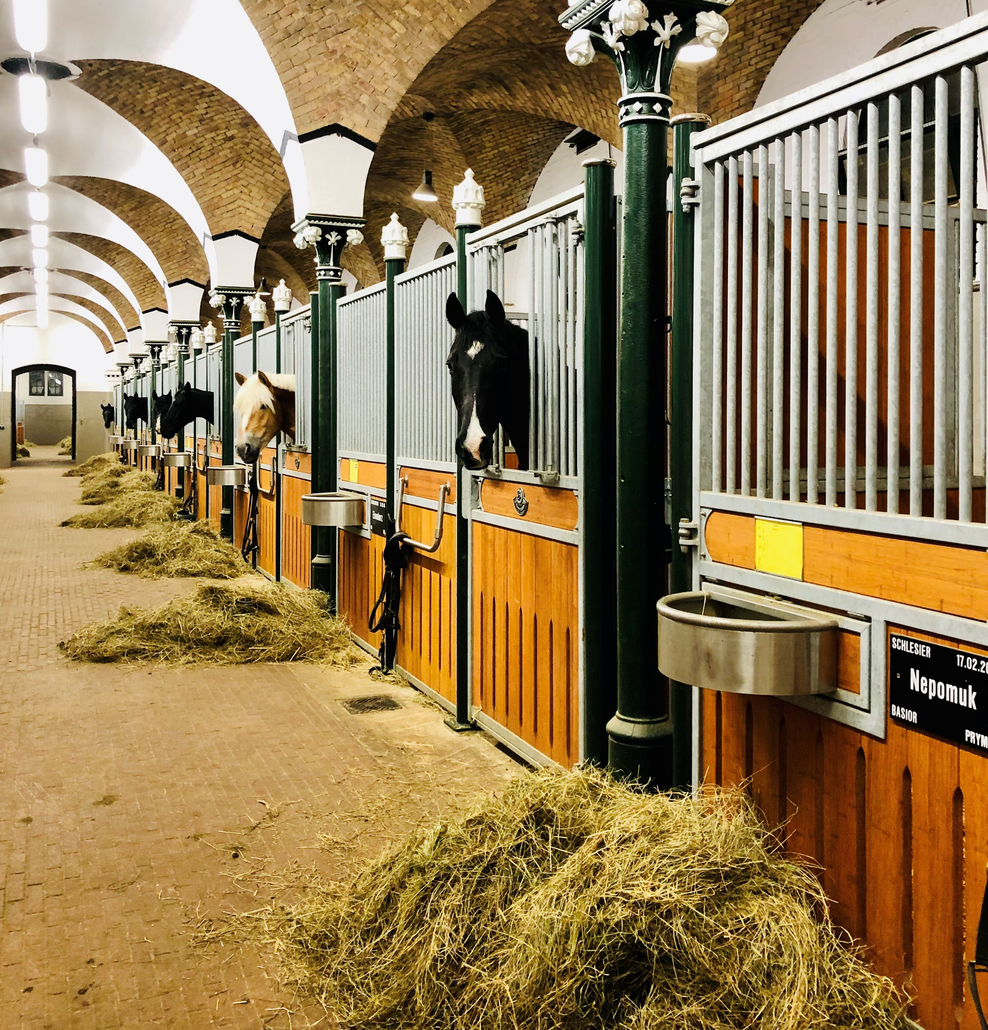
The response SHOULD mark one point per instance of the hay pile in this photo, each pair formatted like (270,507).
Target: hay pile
(224,624)
(128,509)
(176,549)
(65,445)
(93,463)
(22,451)
(574,903)
(105,483)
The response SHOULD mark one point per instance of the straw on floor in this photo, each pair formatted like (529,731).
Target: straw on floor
(65,445)
(22,451)
(128,508)
(574,903)
(176,549)
(93,463)
(105,483)
(223,624)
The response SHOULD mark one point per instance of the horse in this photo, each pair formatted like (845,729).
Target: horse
(160,403)
(188,405)
(265,406)
(108,415)
(489,377)
(135,408)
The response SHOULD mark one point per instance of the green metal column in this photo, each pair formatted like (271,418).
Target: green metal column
(182,333)
(643,44)
(394,239)
(681,419)
(599,454)
(277,455)
(154,363)
(230,298)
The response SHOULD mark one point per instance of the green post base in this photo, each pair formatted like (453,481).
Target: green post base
(640,751)
(323,576)
(226,514)
(459,727)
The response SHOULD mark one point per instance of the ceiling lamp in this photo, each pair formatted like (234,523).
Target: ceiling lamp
(40,257)
(32,91)
(425,193)
(39,235)
(695,53)
(41,275)
(31,25)
(37,206)
(41,289)
(36,166)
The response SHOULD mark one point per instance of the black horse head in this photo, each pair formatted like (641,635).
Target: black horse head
(108,415)
(188,405)
(135,408)
(489,376)
(160,403)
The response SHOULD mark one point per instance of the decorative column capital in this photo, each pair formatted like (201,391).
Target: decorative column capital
(468,200)
(258,309)
(183,333)
(155,348)
(394,239)
(328,235)
(230,298)
(642,41)
(281,295)
(210,336)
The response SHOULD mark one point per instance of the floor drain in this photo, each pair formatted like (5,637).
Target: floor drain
(371,703)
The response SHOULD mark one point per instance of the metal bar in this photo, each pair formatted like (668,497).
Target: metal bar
(982,428)
(812,321)
(894,294)
(779,316)
(833,184)
(851,316)
(916,301)
(746,313)
(965,326)
(871,316)
(940,287)
(761,325)
(717,331)
(732,324)
(533,331)
(795,319)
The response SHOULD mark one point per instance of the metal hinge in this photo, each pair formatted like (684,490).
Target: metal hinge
(689,535)
(689,194)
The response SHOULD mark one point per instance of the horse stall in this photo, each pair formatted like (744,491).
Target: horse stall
(839,471)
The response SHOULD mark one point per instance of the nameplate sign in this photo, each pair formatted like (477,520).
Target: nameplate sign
(939,690)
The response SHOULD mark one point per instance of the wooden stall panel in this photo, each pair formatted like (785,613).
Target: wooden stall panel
(267,522)
(296,547)
(364,473)
(898,826)
(542,505)
(361,574)
(427,641)
(526,640)
(241,506)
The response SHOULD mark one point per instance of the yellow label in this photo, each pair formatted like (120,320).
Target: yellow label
(354,470)
(779,548)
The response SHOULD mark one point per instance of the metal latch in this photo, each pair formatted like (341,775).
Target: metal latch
(689,194)
(689,534)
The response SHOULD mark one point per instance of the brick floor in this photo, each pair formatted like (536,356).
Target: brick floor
(131,797)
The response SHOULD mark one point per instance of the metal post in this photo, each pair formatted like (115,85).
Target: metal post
(275,470)
(394,239)
(599,454)
(229,299)
(643,46)
(681,417)
(183,333)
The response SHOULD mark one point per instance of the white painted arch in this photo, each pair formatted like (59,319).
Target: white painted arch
(60,282)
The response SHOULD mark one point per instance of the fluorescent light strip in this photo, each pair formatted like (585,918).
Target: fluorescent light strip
(32,92)
(39,236)
(36,166)
(31,25)
(37,206)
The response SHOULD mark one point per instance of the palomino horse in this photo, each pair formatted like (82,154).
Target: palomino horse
(108,415)
(264,406)
(489,376)
(160,403)
(188,405)
(135,408)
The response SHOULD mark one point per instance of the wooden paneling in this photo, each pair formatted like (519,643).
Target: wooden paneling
(427,641)
(369,473)
(899,826)
(267,527)
(423,483)
(298,461)
(361,573)
(241,505)
(730,539)
(547,506)
(526,640)
(296,547)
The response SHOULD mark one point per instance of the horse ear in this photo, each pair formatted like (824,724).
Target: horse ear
(188,387)
(263,378)
(154,396)
(455,314)
(494,308)
(240,377)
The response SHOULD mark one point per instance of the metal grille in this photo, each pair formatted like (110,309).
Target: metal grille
(243,356)
(296,359)
(425,420)
(213,361)
(534,262)
(362,356)
(850,375)
(266,354)
(370,703)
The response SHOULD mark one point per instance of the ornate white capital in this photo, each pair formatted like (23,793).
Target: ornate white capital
(197,340)
(258,309)
(711,28)
(211,336)
(394,239)
(579,48)
(217,300)
(468,200)
(312,234)
(282,297)
(354,237)
(627,17)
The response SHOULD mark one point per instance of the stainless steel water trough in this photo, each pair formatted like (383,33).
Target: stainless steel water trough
(226,475)
(149,450)
(340,508)
(177,459)
(128,445)
(721,640)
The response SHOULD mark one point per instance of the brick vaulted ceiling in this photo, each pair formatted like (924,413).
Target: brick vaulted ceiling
(132,270)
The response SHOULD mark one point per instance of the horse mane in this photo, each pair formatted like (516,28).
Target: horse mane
(254,394)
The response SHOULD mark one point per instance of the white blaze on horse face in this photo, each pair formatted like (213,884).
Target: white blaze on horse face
(475,348)
(475,434)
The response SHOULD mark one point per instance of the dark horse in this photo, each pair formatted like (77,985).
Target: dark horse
(188,405)
(489,375)
(160,403)
(108,415)
(135,408)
